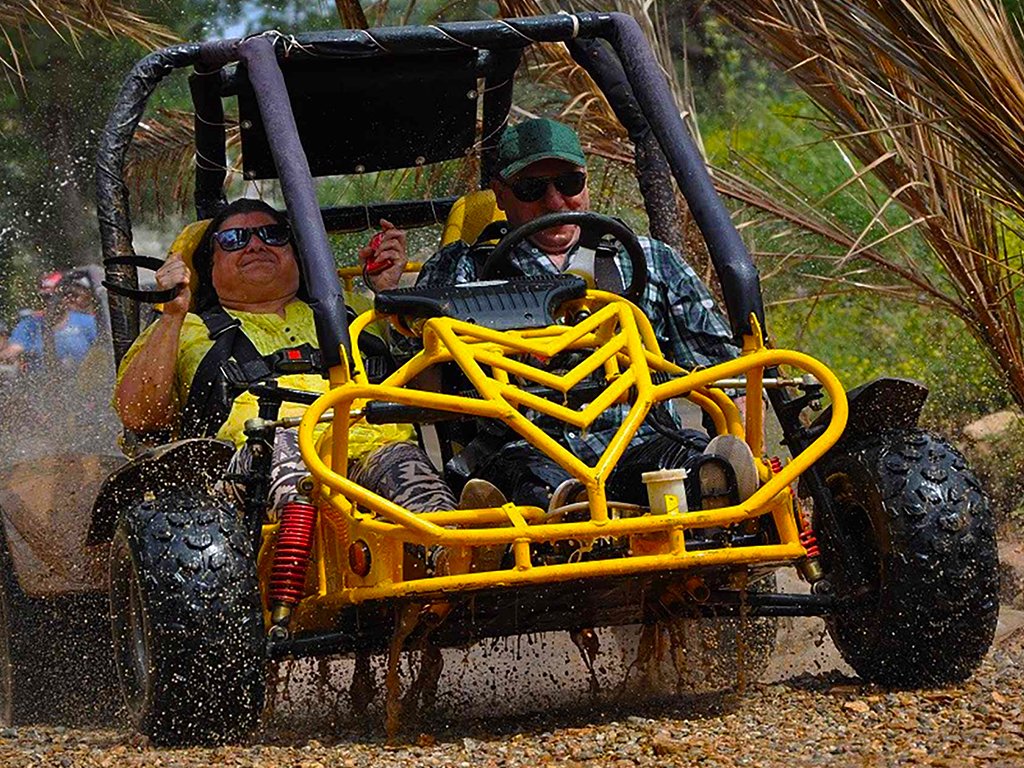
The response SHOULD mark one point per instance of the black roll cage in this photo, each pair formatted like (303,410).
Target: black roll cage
(633,83)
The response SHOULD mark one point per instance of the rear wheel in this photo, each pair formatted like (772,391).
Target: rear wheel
(917,596)
(187,621)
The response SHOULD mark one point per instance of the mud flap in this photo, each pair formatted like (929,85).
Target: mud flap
(195,463)
(887,403)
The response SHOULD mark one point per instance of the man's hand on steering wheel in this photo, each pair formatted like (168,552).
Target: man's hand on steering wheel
(593,227)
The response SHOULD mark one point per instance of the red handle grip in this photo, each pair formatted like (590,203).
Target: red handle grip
(375,266)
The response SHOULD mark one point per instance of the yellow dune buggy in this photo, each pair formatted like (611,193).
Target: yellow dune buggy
(900,551)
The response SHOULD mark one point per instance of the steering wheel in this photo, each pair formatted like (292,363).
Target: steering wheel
(593,227)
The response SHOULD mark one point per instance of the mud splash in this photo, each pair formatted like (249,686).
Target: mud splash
(417,691)
(421,694)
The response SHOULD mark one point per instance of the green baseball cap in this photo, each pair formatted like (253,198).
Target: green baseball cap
(525,143)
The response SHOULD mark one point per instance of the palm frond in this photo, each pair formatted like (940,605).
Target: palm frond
(929,96)
(587,109)
(70,20)
(351,14)
(164,147)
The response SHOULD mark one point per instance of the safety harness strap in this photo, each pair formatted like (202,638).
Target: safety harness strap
(607,276)
(233,364)
(209,401)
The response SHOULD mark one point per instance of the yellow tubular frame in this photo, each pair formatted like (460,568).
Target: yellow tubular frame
(623,345)
(349,275)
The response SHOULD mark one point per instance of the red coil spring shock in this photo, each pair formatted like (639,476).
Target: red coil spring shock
(291,558)
(807,537)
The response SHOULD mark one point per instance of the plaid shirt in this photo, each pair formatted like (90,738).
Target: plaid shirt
(690,330)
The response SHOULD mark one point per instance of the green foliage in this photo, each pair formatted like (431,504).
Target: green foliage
(722,66)
(49,132)
(863,337)
(48,142)
(773,136)
(247,17)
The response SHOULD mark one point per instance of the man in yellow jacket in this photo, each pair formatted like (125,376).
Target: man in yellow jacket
(248,276)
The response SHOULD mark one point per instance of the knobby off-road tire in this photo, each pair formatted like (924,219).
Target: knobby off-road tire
(56,664)
(187,620)
(921,528)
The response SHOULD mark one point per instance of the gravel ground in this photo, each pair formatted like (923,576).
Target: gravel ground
(802,719)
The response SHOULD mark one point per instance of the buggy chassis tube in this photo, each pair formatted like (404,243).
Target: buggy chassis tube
(741,288)
(735,269)
(715,402)
(441,343)
(112,207)
(260,54)
(326,297)
(420,528)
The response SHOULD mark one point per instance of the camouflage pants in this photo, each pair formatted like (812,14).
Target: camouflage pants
(400,472)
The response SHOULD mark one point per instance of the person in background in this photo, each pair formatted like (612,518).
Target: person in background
(7,369)
(61,333)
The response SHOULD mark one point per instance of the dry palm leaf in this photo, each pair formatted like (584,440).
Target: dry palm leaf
(69,20)
(928,94)
(587,109)
(164,147)
(351,14)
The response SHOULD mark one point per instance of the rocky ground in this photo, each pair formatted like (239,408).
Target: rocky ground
(531,708)
(802,721)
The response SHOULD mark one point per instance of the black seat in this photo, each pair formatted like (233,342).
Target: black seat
(522,302)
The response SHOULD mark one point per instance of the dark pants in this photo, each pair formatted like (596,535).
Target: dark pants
(402,473)
(527,477)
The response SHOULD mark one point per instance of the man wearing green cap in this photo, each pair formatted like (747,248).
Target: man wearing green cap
(541,169)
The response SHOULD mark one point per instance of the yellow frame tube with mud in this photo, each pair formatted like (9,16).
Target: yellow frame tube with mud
(620,338)
(616,333)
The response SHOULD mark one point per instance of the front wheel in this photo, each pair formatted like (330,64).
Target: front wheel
(916,586)
(187,621)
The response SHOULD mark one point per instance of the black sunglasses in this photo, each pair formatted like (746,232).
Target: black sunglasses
(236,238)
(530,189)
